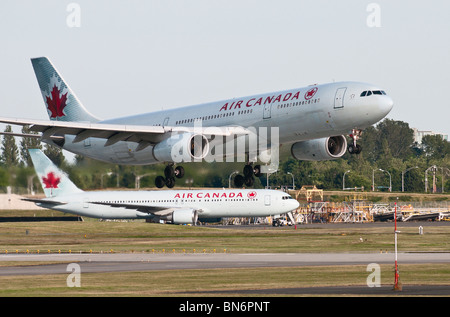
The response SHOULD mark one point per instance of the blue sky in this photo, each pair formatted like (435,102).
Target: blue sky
(130,57)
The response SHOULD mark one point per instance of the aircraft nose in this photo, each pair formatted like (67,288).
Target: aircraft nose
(386,105)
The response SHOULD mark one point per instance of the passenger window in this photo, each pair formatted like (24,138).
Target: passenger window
(363,94)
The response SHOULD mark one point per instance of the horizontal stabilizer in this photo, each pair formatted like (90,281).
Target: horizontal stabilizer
(44,201)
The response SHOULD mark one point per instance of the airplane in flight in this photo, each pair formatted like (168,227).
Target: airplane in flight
(314,121)
(173,206)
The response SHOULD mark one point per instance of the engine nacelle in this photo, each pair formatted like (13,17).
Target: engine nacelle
(183,216)
(183,147)
(320,149)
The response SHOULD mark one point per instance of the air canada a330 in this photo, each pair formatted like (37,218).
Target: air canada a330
(314,121)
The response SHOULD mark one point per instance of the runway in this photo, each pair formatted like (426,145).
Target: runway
(130,262)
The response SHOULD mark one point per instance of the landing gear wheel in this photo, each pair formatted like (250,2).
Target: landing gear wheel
(248,171)
(160,182)
(257,171)
(354,149)
(169,172)
(249,181)
(179,172)
(170,182)
(239,181)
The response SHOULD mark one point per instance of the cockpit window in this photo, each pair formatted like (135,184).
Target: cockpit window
(370,92)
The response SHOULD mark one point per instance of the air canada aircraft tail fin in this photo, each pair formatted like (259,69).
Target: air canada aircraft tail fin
(54,181)
(60,100)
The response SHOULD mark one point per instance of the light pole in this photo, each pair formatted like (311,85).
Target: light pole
(433,169)
(373,179)
(108,174)
(293,182)
(403,176)
(343,180)
(229,178)
(390,181)
(137,181)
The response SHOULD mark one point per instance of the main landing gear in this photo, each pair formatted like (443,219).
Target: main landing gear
(170,174)
(354,148)
(248,179)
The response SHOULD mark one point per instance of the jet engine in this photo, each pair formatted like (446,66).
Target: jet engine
(183,147)
(183,216)
(320,149)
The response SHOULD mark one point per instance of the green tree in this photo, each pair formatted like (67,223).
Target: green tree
(28,143)
(55,154)
(435,147)
(10,152)
(398,136)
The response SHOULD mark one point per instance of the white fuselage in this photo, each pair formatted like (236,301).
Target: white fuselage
(302,114)
(208,203)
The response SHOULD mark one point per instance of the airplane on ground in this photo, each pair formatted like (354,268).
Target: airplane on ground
(174,206)
(313,121)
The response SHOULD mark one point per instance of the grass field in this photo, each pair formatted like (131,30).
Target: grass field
(137,236)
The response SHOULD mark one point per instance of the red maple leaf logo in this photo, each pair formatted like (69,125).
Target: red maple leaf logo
(57,103)
(310,93)
(51,181)
(251,195)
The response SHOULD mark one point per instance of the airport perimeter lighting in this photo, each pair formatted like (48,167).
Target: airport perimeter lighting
(403,176)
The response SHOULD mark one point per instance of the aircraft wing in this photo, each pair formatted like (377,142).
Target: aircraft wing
(114,133)
(160,211)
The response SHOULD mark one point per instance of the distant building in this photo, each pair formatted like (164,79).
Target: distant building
(418,135)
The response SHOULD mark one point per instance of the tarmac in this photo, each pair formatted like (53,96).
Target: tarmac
(134,262)
(128,262)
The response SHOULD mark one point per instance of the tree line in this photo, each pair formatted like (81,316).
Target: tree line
(389,154)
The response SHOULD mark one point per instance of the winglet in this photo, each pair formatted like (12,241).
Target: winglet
(54,182)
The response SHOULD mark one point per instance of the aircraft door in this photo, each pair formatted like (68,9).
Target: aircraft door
(166,121)
(267,114)
(339,98)
(267,200)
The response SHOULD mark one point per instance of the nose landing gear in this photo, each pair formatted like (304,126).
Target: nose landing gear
(354,148)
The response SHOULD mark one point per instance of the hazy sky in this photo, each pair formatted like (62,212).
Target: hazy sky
(129,57)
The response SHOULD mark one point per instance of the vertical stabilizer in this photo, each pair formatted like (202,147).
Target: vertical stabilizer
(54,182)
(59,99)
